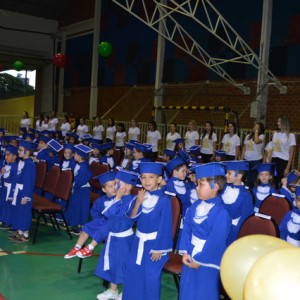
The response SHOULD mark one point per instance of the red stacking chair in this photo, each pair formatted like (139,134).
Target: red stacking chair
(174,264)
(41,168)
(276,206)
(42,205)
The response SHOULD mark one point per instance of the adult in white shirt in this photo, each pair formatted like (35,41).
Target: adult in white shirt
(82,128)
(25,121)
(98,130)
(53,121)
(172,136)
(120,136)
(39,122)
(191,137)
(133,132)
(208,143)
(153,138)
(110,130)
(284,144)
(253,150)
(65,126)
(45,123)
(231,142)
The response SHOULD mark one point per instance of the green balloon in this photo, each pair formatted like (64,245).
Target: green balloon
(18,65)
(105,49)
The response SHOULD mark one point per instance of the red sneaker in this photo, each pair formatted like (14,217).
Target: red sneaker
(72,253)
(84,252)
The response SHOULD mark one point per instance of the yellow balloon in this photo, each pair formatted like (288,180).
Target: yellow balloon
(240,257)
(275,276)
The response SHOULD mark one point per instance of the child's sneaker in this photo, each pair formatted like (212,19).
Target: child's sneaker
(108,295)
(21,239)
(72,253)
(84,252)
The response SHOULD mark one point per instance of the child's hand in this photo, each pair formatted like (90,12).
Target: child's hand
(141,196)
(297,173)
(120,193)
(156,256)
(34,158)
(284,181)
(23,201)
(187,260)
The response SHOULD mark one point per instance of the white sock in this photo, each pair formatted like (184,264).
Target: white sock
(77,247)
(91,247)
(20,232)
(26,235)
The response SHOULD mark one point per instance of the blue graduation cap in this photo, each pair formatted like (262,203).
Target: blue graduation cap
(133,141)
(264,167)
(128,177)
(179,141)
(129,146)
(47,132)
(105,177)
(297,190)
(151,167)
(95,146)
(32,130)
(2,129)
(220,153)
(23,129)
(210,170)
(237,165)
(44,138)
(94,141)
(291,177)
(106,146)
(192,167)
(86,137)
(27,145)
(69,146)
(10,138)
(55,145)
(72,134)
(170,153)
(184,155)
(11,149)
(82,150)
(59,133)
(195,149)
(28,135)
(172,164)
(146,148)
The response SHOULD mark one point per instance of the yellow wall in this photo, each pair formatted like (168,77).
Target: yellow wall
(16,106)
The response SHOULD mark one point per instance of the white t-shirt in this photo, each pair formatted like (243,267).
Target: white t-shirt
(45,126)
(110,132)
(254,151)
(190,139)
(170,138)
(120,139)
(38,125)
(25,123)
(230,143)
(97,132)
(52,124)
(65,127)
(207,144)
(282,144)
(152,138)
(133,133)
(81,130)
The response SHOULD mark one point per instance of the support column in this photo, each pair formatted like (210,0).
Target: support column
(95,58)
(60,94)
(158,98)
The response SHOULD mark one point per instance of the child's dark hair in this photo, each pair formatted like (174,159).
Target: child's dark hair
(220,180)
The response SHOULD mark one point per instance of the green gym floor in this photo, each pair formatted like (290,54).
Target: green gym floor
(39,272)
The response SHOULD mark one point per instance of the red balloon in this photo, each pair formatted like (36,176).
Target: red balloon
(59,60)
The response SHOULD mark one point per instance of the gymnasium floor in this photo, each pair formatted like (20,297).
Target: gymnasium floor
(34,272)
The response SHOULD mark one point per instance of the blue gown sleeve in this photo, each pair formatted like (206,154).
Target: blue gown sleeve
(283,226)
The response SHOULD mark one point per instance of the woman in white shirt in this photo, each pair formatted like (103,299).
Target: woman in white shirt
(110,130)
(134,131)
(65,126)
(192,136)
(284,144)
(253,150)
(45,124)
(25,121)
(82,128)
(98,130)
(53,121)
(153,138)
(231,142)
(39,122)
(172,136)
(208,143)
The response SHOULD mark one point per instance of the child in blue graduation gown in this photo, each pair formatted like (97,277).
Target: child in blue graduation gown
(290,225)
(264,188)
(107,151)
(68,162)
(236,198)
(139,154)
(153,238)
(114,256)
(77,213)
(23,192)
(204,235)
(288,187)
(9,172)
(97,229)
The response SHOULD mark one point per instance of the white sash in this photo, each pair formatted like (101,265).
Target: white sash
(144,237)
(198,245)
